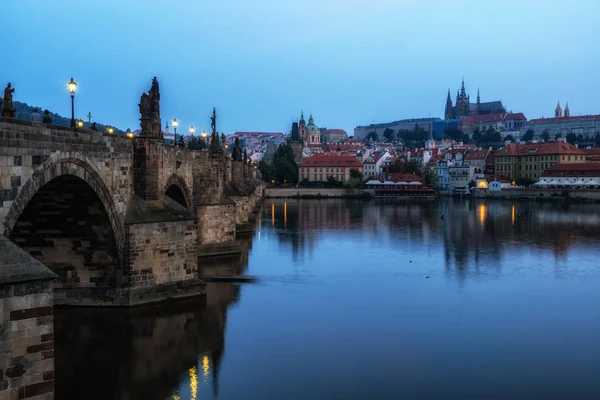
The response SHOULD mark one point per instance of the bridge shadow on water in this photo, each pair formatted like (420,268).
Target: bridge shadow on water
(150,352)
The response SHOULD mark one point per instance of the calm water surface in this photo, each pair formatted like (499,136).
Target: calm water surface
(366,300)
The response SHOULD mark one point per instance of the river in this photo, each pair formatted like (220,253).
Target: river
(380,299)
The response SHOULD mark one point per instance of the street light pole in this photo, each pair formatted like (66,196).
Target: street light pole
(72,86)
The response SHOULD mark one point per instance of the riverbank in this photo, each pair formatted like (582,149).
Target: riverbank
(330,193)
(540,195)
(313,193)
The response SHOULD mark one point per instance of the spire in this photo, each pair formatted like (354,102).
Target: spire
(448,100)
(558,111)
(463,92)
(302,121)
(311,120)
(478,98)
(567,110)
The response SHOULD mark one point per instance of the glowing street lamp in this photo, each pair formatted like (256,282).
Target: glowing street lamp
(130,135)
(175,123)
(80,123)
(110,130)
(72,86)
(192,130)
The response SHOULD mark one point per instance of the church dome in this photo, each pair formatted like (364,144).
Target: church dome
(311,124)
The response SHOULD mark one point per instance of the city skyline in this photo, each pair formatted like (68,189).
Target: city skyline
(213,55)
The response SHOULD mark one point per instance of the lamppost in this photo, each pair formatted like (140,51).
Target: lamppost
(80,123)
(72,85)
(110,130)
(175,123)
(204,136)
(192,130)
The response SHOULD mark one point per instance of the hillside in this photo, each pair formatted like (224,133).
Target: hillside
(24,112)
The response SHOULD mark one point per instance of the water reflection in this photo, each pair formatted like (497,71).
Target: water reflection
(469,232)
(144,353)
(449,298)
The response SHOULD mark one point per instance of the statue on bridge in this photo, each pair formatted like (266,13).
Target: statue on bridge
(215,147)
(7,109)
(150,111)
(236,153)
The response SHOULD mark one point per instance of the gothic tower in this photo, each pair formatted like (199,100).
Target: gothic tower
(462,102)
(558,111)
(302,128)
(567,110)
(448,114)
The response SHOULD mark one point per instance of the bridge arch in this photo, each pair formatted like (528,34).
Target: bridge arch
(65,216)
(178,190)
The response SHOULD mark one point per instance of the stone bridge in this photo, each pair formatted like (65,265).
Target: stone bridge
(121,221)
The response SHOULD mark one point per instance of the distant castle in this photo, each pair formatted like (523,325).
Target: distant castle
(464,107)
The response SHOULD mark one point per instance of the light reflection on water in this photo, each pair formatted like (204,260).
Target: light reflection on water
(379,299)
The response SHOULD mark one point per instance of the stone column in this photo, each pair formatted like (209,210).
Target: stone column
(147,167)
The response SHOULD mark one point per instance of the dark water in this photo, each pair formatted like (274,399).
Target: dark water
(367,300)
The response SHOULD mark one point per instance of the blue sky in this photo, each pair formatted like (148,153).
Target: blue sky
(260,62)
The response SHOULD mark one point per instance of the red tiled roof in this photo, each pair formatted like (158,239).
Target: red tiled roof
(400,177)
(565,119)
(536,149)
(476,154)
(494,118)
(257,134)
(575,170)
(328,160)
(592,152)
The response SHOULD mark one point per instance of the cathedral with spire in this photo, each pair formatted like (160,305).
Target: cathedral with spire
(464,108)
(558,112)
(309,134)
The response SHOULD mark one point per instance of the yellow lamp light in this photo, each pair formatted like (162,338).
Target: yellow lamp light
(80,124)
(192,130)
(110,130)
(175,123)
(72,86)
(130,135)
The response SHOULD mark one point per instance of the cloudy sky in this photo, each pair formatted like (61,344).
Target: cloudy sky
(260,62)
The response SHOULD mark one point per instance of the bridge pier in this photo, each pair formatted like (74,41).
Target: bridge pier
(26,325)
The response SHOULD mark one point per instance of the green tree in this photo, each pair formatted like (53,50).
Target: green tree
(477,137)
(557,136)
(356,174)
(286,169)
(546,135)
(431,178)
(571,138)
(372,136)
(528,135)
(332,181)
(414,167)
(196,143)
(510,138)
(388,134)
(267,171)
(454,133)
(597,139)
(492,136)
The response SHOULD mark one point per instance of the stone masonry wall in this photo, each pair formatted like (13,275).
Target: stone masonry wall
(241,209)
(26,147)
(161,252)
(216,223)
(26,341)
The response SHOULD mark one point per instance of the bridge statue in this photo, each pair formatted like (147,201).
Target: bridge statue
(7,109)
(150,111)
(236,153)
